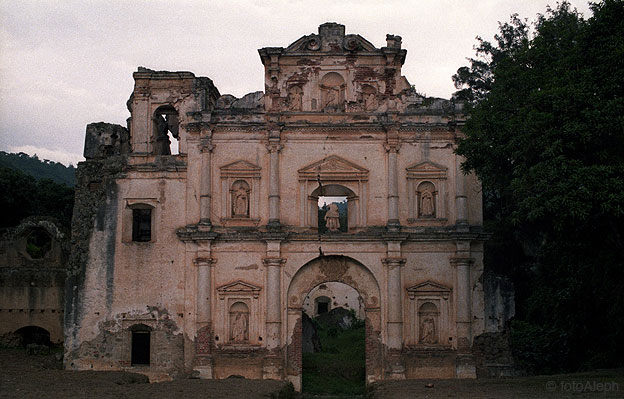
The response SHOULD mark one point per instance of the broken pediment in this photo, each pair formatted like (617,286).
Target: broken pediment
(241,169)
(429,288)
(238,288)
(333,168)
(426,170)
(331,38)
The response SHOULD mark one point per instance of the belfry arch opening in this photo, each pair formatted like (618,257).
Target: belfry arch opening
(327,270)
(166,131)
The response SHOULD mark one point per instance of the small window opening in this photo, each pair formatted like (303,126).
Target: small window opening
(142,224)
(141,336)
(322,305)
(38,243)
(166,131)
(332,214)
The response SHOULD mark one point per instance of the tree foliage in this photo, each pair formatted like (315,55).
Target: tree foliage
(22,195)
(46,169)
(546,137)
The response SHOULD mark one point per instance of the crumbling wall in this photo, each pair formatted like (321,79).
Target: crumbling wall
(32,289)
(94,211)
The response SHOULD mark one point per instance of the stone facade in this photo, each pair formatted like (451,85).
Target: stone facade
(211,252)
(33,261)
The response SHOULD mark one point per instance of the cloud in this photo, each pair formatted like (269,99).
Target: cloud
(64,157)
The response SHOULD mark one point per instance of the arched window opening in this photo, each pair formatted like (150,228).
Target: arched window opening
(141,345)
(38,243)
(239,323)
(333,214)
(166,131)
(34,335)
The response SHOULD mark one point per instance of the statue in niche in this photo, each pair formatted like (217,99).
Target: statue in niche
(239,327)
(427,331)
(295,96)
(162,146)
(332,218)
(368,98)
(240,199)
(426,204)
(331,97)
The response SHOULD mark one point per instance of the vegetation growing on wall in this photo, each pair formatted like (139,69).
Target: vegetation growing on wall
(546,138)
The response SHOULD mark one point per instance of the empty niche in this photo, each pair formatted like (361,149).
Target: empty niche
(333,92)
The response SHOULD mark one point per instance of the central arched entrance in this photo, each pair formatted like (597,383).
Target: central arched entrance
(342,269)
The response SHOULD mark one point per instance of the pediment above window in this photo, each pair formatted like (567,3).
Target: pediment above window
(429,288)
(238,288)
(426,170)
(333,168)
(240,168)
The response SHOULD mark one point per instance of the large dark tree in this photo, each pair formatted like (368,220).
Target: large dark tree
(546,137)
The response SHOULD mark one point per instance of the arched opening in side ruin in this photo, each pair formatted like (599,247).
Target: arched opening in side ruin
(333,341)
(38,243)
(166,131)
(34,335)
(141,345)
(334,270)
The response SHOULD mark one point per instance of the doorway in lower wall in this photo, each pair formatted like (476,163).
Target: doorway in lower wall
(333,342)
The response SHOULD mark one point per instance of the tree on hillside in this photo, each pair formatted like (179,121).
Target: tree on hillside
(39,169)
(546,137)
(22,195)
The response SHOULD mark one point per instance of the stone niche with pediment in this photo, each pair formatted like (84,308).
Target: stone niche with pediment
(238,309)
(428,311)
(338,177)
(240,193)
(427,192)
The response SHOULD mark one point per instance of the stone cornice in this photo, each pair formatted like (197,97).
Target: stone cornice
(374,234)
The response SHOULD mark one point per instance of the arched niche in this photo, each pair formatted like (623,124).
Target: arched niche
(342,269)
(332,89)
(334,190)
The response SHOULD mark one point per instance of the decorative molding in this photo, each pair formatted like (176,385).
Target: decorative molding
(428,288)
(333,168)
(240,168)
(426,170)
(238,287)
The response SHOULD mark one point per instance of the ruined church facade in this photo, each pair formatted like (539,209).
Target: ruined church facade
(201,261)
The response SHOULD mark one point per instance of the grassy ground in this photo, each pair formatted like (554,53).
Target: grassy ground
(339,369)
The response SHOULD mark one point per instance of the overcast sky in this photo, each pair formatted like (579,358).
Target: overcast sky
(64,64)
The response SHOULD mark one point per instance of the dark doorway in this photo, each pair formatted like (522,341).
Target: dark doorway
(34,335)
(141,346)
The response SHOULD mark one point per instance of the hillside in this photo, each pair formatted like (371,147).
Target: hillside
(39,169)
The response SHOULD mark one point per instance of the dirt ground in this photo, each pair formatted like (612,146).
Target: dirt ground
(596,384)
(26,376)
